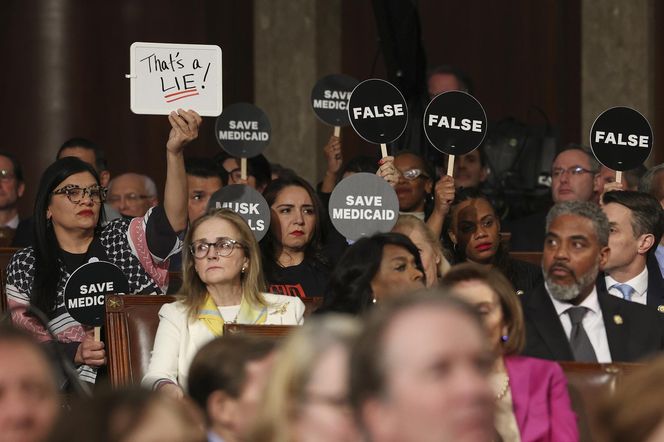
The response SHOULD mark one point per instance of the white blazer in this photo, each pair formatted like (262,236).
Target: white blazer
(179,338)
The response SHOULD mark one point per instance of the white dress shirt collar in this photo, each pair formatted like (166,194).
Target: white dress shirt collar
(639,283)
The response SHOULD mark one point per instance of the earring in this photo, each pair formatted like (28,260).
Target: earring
(373,301)
(504,338)
(244,269)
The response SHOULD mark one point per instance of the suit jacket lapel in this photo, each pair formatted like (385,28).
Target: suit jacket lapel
(545,319)
(617,331)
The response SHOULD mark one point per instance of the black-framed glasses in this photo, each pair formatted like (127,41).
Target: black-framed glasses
(413,174)
(132,198)
(573,171)
(75,193)
(222,247)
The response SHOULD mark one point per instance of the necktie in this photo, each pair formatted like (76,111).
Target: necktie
(626,290)
(581,347)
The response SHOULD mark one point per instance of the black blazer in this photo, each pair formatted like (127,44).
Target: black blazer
(633,330)
(655,284)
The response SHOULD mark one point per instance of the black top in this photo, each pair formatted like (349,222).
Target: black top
(304,280)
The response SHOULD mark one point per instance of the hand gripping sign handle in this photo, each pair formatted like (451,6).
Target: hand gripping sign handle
(383,150)
(618,176)
(450,165)
(243,169)
(97,334)
(337,131)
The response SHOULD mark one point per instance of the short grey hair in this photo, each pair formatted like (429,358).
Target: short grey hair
(646,183)
(583,209)
(150,186)
(594,164)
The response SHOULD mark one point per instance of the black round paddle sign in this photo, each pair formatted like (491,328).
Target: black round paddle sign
(243,130)
(363,204)
(329,99)
(246,202)
(621,138)
(86,289)
(377,111)
(455,122)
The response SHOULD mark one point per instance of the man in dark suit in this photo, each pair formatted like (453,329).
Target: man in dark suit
(572,179)
(632,273)
(567,318)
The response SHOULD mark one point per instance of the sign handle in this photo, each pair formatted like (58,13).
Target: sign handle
(618,176)
(97,334)
(383,149)
(243,168)
(337,131)
(450,165)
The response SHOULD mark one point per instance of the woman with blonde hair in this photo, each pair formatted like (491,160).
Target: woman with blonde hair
(222,281)
(431,252)
(306,398)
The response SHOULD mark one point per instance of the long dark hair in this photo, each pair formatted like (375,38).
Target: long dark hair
(46,247)
(501,258)
(350,285)
(270,245)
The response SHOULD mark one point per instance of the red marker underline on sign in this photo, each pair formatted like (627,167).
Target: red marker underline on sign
(182,94)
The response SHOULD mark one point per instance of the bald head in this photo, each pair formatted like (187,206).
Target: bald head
(132,194)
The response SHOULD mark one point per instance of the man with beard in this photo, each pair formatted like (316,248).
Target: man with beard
(567,317)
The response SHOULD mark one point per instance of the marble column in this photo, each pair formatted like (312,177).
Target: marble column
(617,58)
(295,43)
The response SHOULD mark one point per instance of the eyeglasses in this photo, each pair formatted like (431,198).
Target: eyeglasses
(222,247)
(75,194)
(574,171)
(130,197)
(6,175)
(413,174)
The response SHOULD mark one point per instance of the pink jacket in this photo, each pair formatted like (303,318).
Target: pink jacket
(541,401)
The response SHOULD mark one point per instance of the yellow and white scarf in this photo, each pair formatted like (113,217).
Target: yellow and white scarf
(210,316)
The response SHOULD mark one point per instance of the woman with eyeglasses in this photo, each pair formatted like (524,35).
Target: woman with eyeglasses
(474,234)
(419,194)
(68,233)
(222,282)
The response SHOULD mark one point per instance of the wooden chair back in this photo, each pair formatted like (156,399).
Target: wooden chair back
(131,326)
(531,257)
(588,384)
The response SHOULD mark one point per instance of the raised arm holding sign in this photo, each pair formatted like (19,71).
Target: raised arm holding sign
(378,112)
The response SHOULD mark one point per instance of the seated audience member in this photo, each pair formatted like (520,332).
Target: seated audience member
(226,379)
(431,252)
(471,169)
(132,194)
(68,233)
(11,189)
(416,186)
(636,225)
(372,270)
(447,78)
(519,382)
(652,184)
(634,412)
(222,281)
(567,318)
(475,235)
(420,372)
(630,179)
(291,249)
(572,179)
(307,392)
(29,401)
(259,173)
(130,415)
(89,152)
(204,178)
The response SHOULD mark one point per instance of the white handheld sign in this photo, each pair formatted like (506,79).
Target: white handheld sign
(165,77)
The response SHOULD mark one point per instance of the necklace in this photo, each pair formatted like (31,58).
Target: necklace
(503,388)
